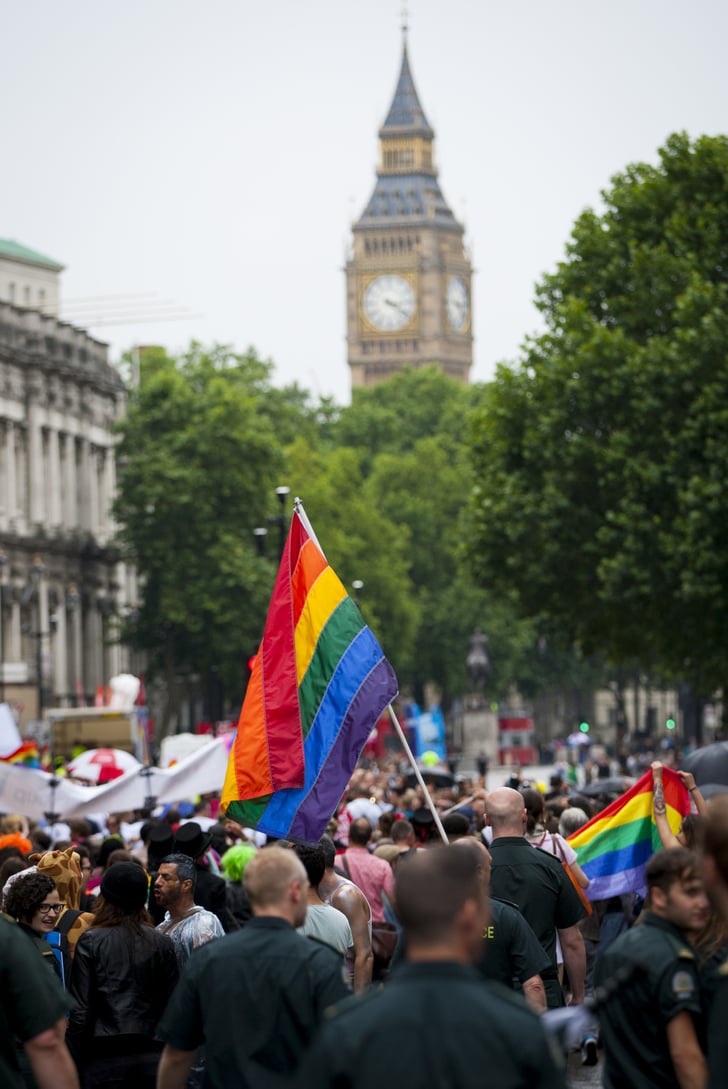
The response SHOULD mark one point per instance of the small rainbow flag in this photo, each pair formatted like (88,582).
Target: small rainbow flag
(27,753)
(319,683)
(615,846)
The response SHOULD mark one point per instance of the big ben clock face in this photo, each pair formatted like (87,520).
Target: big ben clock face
(457,303)
(389,303)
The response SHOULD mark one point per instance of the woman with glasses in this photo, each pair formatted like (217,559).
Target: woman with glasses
(32,900)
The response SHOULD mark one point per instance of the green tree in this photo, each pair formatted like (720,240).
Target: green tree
(599,457)
(199,458)
(359,542)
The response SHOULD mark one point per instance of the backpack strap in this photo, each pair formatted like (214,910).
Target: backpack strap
(66,921)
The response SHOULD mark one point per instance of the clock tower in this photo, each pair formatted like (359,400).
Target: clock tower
(408,275)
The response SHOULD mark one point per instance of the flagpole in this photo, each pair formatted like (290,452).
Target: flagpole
(418,774)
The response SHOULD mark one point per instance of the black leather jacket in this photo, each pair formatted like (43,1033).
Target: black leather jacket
(121,982)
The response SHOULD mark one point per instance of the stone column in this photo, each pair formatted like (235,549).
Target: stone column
(59,653)
(43,634)
(14,651)
(83,485)
(109,492)
(55,513)
(70,514)
(36,483)
(12,477)
(93,492)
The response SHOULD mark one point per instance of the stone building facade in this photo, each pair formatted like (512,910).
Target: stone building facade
(408,275)
(64,589)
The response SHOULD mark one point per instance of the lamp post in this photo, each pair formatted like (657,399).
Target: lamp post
(73,601)
(3,564)
(261,533)
(357,586)
(282,493)
(37,570)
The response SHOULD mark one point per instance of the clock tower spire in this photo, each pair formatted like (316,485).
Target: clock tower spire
(408,274)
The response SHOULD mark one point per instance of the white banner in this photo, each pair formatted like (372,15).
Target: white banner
(30,792)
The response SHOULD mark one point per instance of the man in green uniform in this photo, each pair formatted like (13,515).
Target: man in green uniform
(33,1012)
(716,873)
(255,997)
(510,953)
(535,882)
(648,1028)
(436,1022)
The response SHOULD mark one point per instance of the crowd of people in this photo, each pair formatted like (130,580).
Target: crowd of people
(182,950)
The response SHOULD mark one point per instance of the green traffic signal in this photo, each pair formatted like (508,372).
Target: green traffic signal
(584,727)
(670,724)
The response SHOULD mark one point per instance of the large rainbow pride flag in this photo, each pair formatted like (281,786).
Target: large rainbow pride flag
(615,846)
(319,683)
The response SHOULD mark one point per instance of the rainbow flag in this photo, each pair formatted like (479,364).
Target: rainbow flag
(615,846)
(27,753)
(319,683)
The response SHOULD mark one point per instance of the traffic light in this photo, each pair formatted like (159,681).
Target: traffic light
(584,727)
(670,724)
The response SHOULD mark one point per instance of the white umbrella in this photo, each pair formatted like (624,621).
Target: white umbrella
(102,765)
(578,739)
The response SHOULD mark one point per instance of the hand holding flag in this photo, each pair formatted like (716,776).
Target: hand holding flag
(319,683)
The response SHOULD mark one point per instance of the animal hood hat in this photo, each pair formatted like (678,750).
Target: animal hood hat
(64,867)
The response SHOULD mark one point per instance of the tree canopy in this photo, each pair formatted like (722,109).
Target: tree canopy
(599,457)
(198,461)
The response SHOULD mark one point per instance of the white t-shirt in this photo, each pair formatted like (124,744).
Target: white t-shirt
(328,925)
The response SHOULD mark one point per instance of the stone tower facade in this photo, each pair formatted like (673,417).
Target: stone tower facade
(408,275)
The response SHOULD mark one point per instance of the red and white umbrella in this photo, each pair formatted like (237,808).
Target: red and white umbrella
(102,765)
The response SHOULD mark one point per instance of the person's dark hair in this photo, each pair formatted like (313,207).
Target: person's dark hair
(314,861)
(41,840)
(80,829)
(107,914)
(110,844)
(120,855)
(186,869)
(402,830)
(26,894)
(432,887)
(10,852)
(385,822)
(360,832)
(10,866)
(220,838)
(534,806)
(693,828)
(715,841)
(668,867)
(456,825)
(329,849)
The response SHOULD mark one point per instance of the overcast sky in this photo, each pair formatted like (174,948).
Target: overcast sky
(215,154)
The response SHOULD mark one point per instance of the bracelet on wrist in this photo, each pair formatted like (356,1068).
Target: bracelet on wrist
(691,789)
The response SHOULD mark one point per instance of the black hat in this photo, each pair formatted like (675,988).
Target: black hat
(160,843)
(191,840)
(423,816)
(125,885)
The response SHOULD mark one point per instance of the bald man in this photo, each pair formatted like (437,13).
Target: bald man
(535,881)
(436,1022)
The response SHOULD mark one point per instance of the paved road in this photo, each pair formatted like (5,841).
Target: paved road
(584,1077)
